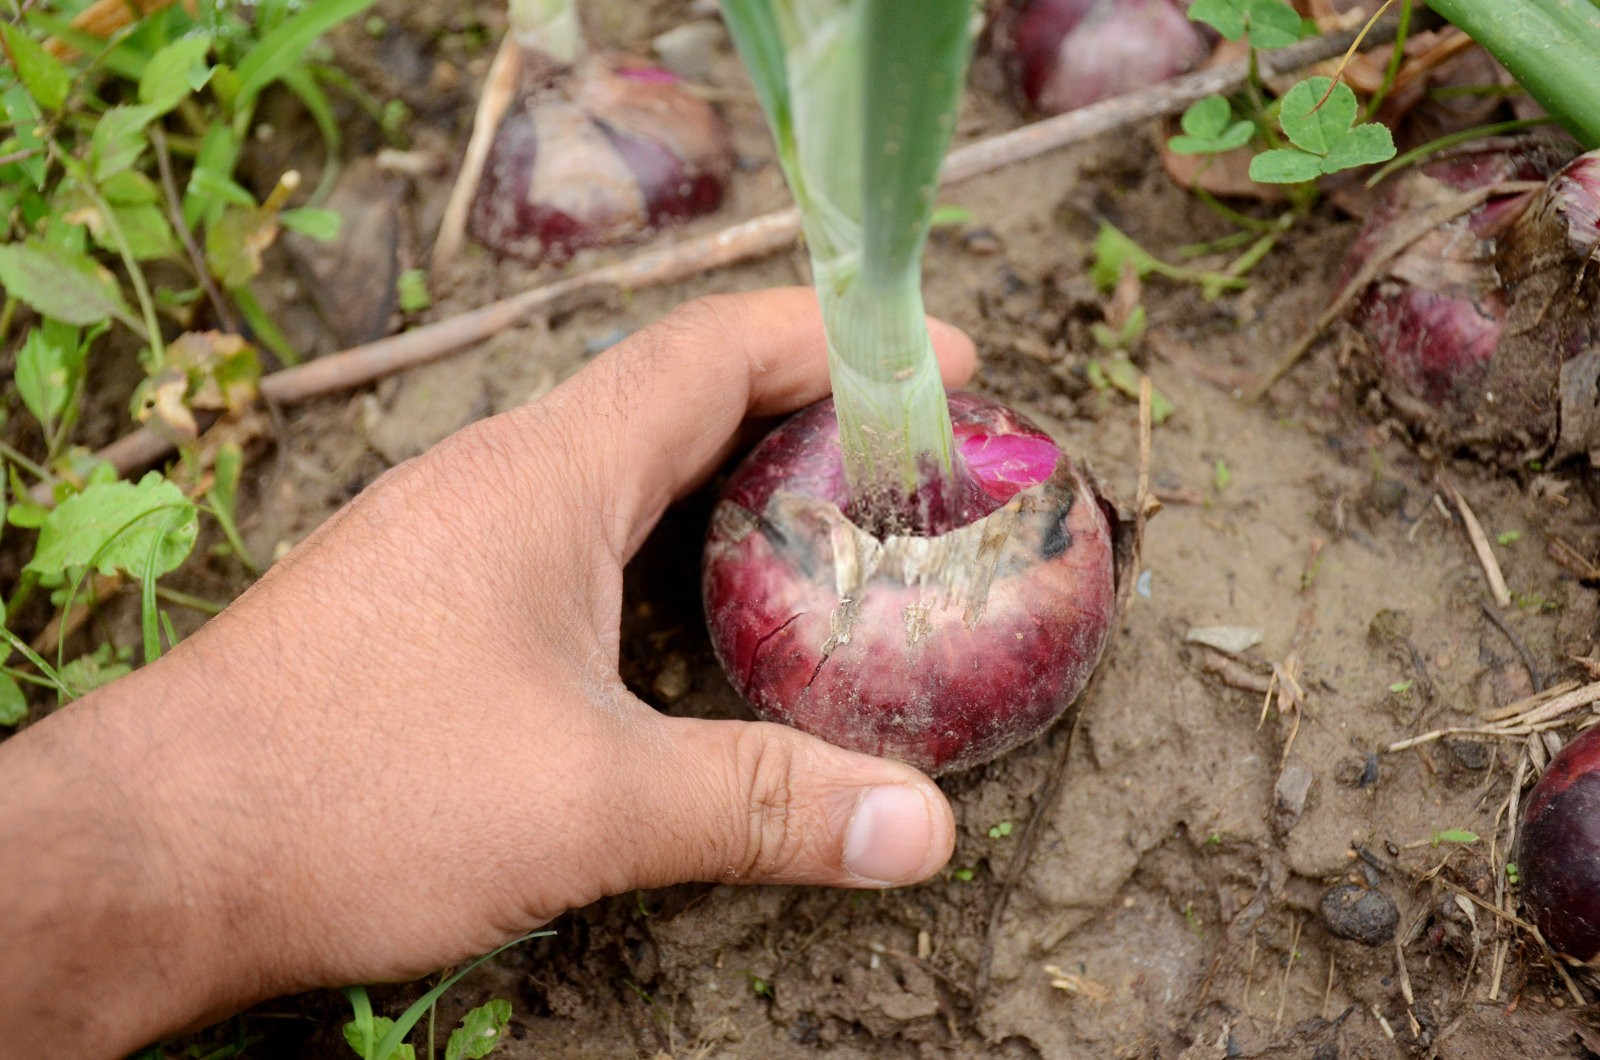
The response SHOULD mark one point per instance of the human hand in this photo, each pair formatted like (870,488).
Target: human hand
(409,743)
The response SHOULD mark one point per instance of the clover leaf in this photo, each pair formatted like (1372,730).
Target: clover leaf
(1268,23)
(1209,129)
(1326,138)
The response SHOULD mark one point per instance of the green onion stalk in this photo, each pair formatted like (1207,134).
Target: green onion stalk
(1552,48)
(861,96)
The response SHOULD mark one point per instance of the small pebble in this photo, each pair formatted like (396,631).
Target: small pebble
(1359,913)
(981,241)
(1290,793)
(672,680)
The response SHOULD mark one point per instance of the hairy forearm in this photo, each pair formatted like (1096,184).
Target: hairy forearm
(109,935)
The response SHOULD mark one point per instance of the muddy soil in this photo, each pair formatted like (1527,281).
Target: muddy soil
(1170,904)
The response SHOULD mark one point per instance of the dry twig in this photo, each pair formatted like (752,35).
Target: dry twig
(1480,545)
(1547,715)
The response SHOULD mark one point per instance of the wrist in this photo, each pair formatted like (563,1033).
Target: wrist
(116,930)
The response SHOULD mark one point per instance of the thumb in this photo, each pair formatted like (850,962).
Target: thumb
(752,802)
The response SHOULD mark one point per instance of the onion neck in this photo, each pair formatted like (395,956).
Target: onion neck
(894,419)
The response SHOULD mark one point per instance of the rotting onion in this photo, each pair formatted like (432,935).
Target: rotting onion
(1482,333)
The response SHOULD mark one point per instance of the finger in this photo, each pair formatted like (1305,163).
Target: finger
(746,802)
(663,406)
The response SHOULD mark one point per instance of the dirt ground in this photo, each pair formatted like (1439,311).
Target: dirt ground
(1171,904)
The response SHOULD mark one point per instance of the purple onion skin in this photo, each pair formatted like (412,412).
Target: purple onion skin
(934,672)
(1070,53)
(625,151)
(1469,328)
(1558,850)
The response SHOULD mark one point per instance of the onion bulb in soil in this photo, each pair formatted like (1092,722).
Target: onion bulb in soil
(1558,850)
(943,648)
(1069,53)
(600,153)
(1482,333)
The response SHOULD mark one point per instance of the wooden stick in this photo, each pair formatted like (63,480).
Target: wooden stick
(740,242)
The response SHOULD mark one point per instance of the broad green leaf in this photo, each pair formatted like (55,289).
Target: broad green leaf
(115,526)
(1273,24)
(313,221)
(219,153)
(1234,136)
(1362,146)
(1284,165)
(14,708)
(24,114)
(1207,118)
(1268,23)
(235,243)
(44,376)
(146,229)
(88,672)
(1312,128)
(130,188)
(119,139)
(45,77)
(479,1032)
(174,72)
(214,186)
(1227,17)
(356,1036)
(62,284)
(279,51)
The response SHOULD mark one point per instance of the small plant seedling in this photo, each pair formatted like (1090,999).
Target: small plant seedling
(1508,537)
(1000,831)
(1513,874)
(379,1038)
(1210,128)
(963,874)
(759,986)
(1264,23)
(1400,688)
(1319,118)
(1221,477)
(1454,835)
(411,290)
(1122,375)
(1124,337)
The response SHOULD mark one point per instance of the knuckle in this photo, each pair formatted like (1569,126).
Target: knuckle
(772,841)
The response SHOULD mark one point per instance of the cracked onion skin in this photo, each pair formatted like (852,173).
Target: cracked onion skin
(1558,850)
(943,651)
